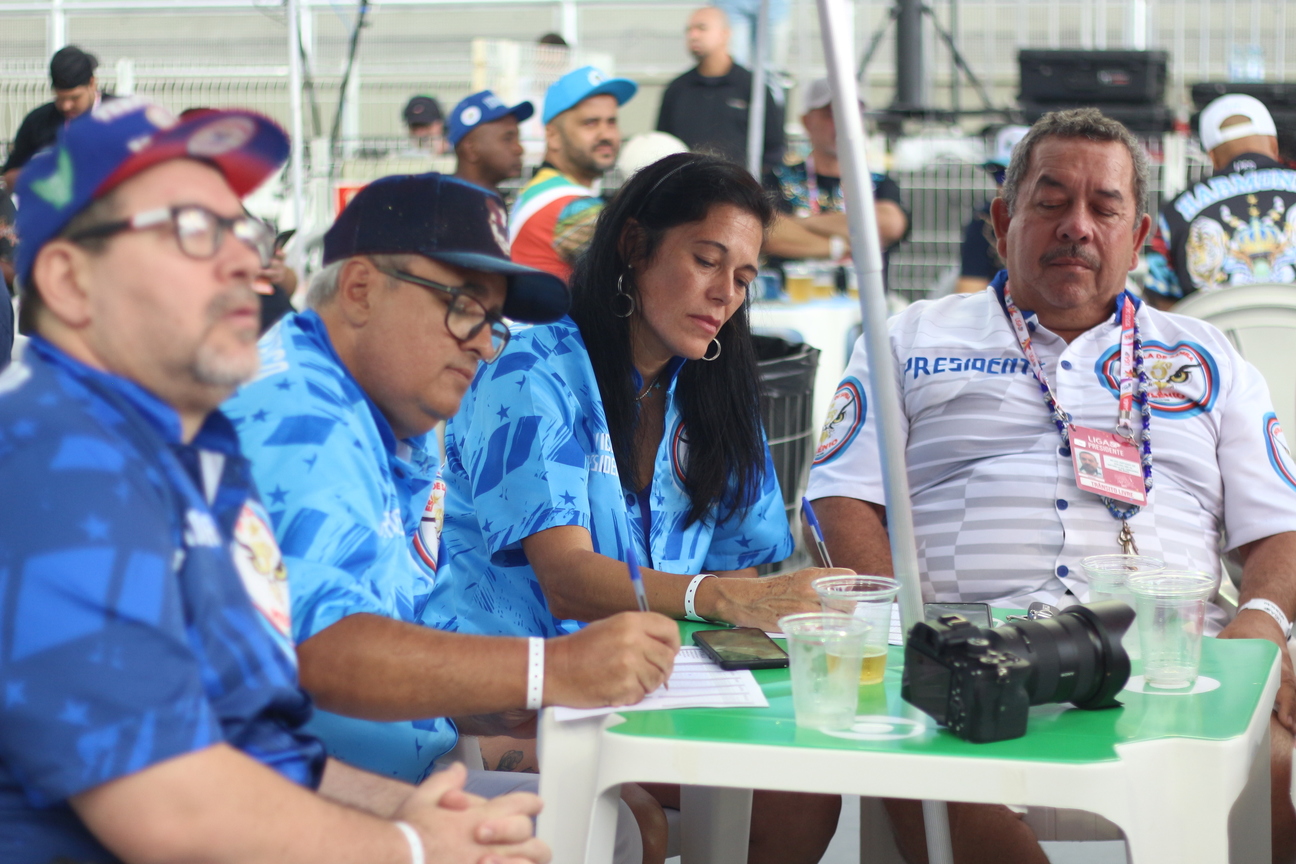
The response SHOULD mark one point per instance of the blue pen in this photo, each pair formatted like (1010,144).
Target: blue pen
(808,512)
(635,579)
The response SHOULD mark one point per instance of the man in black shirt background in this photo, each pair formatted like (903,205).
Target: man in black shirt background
(1236,227)
(706,107)
(72,74)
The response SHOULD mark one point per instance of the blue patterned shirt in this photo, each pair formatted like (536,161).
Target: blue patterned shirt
(347,500)
(143,603)
(530,450)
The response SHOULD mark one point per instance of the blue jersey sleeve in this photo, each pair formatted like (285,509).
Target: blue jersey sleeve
(318,482)
(98,673)
(518,447)
(756,535)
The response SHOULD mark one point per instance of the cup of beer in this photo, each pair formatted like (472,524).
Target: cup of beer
(870,599)
(798,281)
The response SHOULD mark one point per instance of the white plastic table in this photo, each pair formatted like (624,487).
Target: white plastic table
(1185,776)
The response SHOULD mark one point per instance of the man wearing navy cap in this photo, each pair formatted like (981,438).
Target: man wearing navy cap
(338,427)
(484,134)
(76,91)
(151,704)
(553,218)
(426,123)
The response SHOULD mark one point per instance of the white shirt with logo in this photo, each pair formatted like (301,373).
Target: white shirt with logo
(997,514)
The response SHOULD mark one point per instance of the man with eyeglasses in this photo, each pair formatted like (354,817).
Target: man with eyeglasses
(410,306)
(151,707)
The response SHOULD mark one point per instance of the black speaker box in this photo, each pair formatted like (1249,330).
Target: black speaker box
(1139,119)
(1274,94)
(1092,77)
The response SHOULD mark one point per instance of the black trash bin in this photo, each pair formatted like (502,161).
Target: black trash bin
(787,374)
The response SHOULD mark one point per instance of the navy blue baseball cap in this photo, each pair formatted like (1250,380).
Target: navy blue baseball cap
(448,220)
(119,138)
(575,87)
(479,108)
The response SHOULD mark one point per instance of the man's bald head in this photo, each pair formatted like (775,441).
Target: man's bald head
(707,32)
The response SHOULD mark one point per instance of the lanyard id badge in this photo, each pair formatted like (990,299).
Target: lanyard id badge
(1107,465)
(1116,466)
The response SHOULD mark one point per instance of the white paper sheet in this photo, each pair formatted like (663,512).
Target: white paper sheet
(696,682)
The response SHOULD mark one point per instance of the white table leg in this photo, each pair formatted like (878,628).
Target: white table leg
(577,822)
(715,824)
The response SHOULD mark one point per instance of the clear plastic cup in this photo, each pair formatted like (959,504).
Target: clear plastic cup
(825,650)
(1106,575)
(870,599)
(1171,607)
(798,281)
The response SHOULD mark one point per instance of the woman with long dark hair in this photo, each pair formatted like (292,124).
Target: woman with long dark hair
(634,423)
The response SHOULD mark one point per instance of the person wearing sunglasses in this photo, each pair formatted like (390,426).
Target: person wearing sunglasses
(152,710)
(413,302)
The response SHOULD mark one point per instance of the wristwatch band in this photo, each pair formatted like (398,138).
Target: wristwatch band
(1275,611)
(690,611)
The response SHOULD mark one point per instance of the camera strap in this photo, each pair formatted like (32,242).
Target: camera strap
(1113,465)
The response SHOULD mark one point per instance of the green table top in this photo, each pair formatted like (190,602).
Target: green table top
(1055,733)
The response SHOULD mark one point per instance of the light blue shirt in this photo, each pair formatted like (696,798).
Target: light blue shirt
(529,450)
(347,500)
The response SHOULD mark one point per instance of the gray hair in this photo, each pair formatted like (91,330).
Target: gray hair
(324,283)
(1077,123)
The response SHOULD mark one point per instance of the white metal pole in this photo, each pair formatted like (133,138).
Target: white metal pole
(297,152)
(56,33)
(857,188)
(756,104)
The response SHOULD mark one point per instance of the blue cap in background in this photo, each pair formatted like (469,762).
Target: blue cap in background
(448,220)
(575,87)
(479,108)
(119,138)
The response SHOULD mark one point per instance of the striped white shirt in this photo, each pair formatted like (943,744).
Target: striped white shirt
(998,516)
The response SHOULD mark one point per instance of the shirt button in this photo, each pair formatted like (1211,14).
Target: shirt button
(1062,570)
(1030,326)
(1062,504)
(630,499)
(1066,364)
(1064,451)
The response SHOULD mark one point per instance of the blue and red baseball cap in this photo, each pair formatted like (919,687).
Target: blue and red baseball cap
(479,108)
(119,138)
(575,87)
(448,220)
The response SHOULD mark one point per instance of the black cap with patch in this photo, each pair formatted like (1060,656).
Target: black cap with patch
(449,220)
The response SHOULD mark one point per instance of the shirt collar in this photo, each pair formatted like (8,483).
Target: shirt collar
(216,432)
(1001,279)
(1252,162)
(410,450)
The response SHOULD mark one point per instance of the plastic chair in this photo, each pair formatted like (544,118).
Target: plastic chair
(1260,321)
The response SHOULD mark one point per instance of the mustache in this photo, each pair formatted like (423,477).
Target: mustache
(1073,251)
(608,142)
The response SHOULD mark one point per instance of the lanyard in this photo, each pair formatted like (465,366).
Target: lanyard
(1131,374)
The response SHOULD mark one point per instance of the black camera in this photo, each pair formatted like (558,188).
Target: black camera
(981,683)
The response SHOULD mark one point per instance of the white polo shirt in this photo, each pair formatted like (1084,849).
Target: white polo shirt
(997,513)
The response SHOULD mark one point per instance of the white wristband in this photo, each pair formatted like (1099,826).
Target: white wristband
(415,842)
(1273,609)
(690,611)
(535,673)
(836,247)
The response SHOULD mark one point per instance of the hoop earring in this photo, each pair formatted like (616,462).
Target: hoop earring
(628,304)
(716,343)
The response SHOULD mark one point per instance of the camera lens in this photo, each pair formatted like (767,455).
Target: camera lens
(1075,657)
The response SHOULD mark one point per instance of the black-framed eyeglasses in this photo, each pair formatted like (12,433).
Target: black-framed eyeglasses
(465,314)
(198,231)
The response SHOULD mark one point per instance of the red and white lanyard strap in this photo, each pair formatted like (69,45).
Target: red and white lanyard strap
(1132,388)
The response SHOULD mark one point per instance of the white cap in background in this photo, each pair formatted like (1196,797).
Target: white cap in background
(819,95)
(1234,105)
